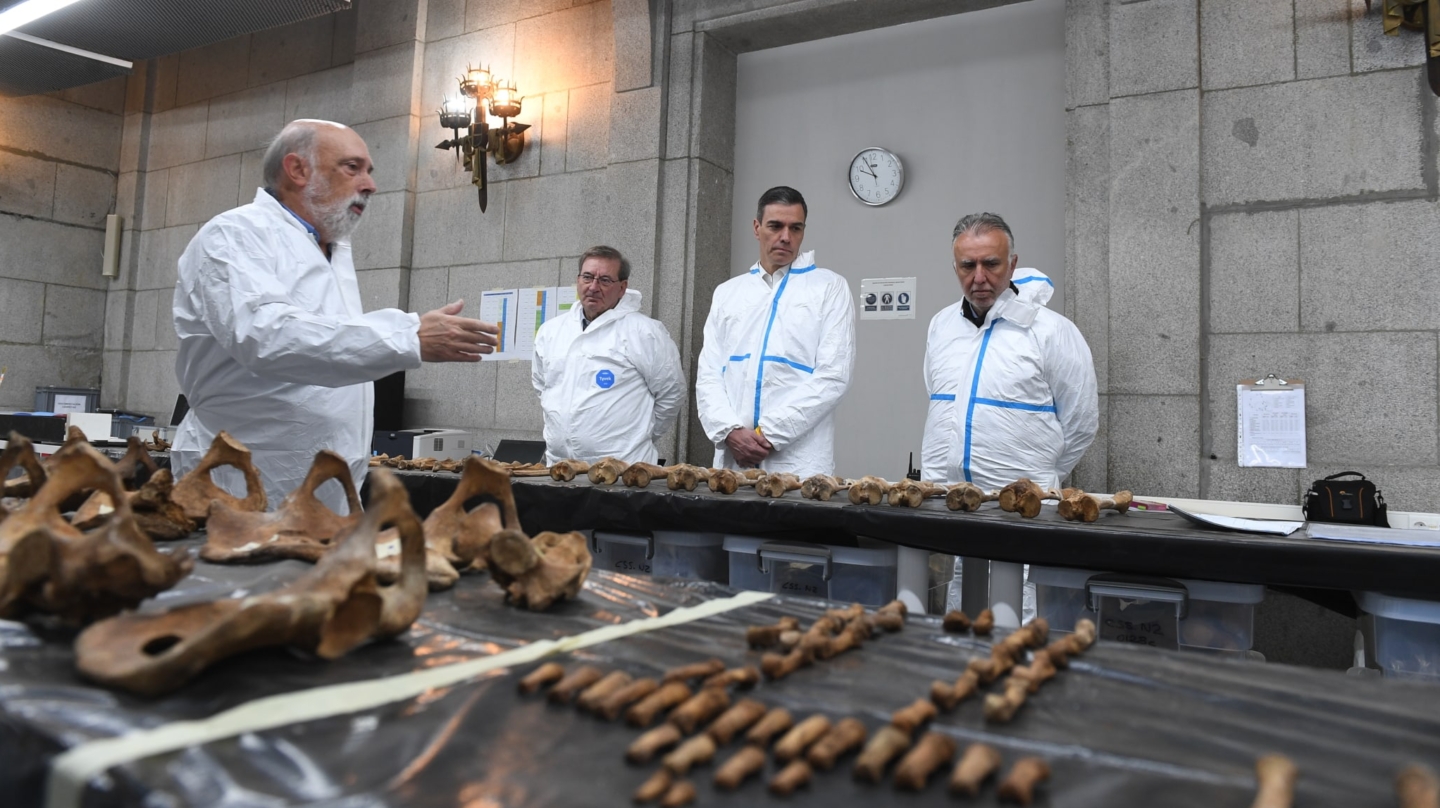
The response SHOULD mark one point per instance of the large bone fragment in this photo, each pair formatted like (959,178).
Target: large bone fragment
(686,476)
(910,493)
(1023,497)
(80,576)
(329,611)
(776,485)
(155,511)
(1078,506)
(728,481)
(137,466)
(462,538)
(565,470)
(302,527)
(20,452)
(537,572)
(822,487)
(196,491)
(607,471)
(639,475)
(966,497)
(868,490)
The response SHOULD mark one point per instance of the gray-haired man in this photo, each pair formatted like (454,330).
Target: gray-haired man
(275,347)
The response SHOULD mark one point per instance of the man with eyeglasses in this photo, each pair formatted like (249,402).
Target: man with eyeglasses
(608,377)
(276,347)
(779,348)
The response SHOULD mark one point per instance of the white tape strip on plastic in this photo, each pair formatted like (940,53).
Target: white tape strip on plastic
(73,769)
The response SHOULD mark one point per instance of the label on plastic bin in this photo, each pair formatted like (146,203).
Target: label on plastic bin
(1140,622)
(800,579)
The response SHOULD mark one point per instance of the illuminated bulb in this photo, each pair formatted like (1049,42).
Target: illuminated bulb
(506,101)
(28,12)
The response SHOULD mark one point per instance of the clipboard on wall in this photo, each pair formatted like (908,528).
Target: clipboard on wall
(1270,423)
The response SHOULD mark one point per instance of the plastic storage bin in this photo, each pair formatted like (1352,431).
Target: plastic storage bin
(1217,616)
(679,554)
(1402,636)
(847,574)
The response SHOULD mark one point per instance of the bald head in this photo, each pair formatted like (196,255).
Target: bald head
(321,171)
(298,137)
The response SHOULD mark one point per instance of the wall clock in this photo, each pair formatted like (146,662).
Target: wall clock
(876,176)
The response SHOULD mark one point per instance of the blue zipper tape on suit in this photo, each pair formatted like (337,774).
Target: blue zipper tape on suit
(765,343)
(942,396)
(975,388)
(990,402)
(1015,405)
(782,360)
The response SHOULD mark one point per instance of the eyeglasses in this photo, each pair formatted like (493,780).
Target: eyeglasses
(587,278)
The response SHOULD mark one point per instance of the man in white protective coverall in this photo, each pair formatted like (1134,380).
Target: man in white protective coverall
(779,348)
(275,347)
(608,377)
(1011,383)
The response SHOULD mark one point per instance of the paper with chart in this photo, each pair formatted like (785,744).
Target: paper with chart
(1271,426)
(521,312)
(500,307)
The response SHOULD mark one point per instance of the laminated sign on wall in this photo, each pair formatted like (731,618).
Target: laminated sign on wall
(1271,422)
(887,299)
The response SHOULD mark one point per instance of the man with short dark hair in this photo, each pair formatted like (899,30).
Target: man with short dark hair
(275,346)
(608,377)
(779,348)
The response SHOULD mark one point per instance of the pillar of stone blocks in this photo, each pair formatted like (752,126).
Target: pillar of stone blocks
(1252,224)
(385,109)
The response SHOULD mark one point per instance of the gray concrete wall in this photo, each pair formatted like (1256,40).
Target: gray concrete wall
(1253,190)
(59,158)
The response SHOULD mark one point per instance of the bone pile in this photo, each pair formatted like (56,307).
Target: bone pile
(834,633)
(77,572)
(534,573)
(332,609)
(689,713)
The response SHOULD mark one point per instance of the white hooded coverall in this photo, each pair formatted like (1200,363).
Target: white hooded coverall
(609,390)
(1014,398)
(276,349)
(779,359)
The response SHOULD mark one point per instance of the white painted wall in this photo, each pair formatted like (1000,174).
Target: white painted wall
(974,105)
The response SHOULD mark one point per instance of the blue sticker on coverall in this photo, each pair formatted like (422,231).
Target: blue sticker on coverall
(605,379)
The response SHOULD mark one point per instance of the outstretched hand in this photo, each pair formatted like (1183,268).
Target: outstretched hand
(447,337)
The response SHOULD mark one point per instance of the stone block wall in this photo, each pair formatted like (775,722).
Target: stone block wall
(1253,190)
(59,159)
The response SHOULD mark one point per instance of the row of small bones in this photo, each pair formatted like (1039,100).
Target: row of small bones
(1022,496)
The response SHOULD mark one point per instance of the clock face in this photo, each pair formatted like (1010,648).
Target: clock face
(876,176)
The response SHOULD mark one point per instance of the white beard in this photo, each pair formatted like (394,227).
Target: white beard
(336,221)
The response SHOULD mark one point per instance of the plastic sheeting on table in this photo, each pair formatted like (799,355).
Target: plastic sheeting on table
(1147,543)
(1124,726)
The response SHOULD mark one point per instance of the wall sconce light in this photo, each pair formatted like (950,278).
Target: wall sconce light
(505,142)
